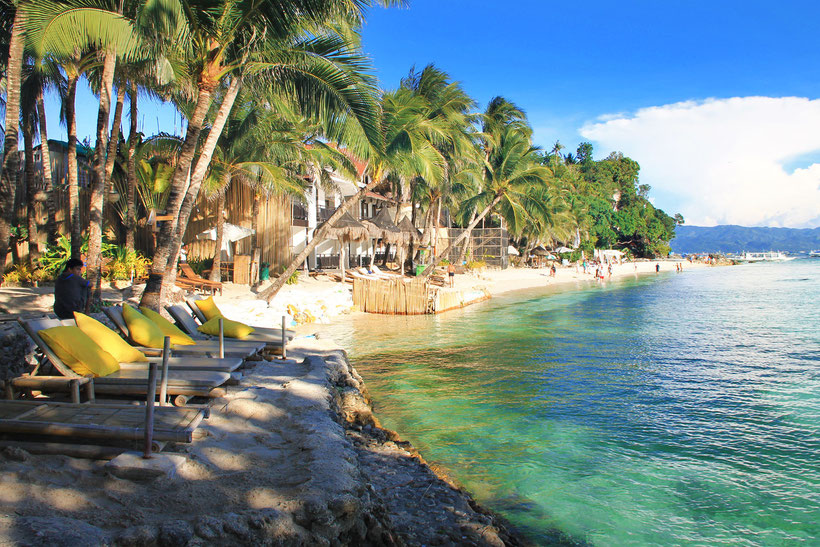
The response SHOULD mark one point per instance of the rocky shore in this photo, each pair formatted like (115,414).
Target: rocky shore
(292,456)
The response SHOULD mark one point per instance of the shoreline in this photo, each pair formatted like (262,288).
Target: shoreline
(294,453)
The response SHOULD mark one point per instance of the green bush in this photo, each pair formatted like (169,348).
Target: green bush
(124,261)
(476,265)
(199,265)
(53,260)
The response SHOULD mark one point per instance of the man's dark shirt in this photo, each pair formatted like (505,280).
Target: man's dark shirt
(70,294)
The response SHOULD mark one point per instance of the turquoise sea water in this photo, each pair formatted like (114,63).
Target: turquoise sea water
(677,409)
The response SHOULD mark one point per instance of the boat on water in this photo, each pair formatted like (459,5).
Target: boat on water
(814,254)
(768,256)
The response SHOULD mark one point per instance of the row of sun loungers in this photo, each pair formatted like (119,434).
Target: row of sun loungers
(193,371)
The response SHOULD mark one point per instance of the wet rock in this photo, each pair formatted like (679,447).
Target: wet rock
(137,535)
(208,527)
(12,453)
(59,532)
(174,533)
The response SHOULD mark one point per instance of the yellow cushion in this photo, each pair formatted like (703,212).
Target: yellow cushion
(231,329)
(208,308)
(168,328)
(109,340)
(142,330)
(77,350)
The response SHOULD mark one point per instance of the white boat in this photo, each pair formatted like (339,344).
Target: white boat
(768,256)
(814,254)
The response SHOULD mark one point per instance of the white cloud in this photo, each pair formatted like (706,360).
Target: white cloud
(721,161)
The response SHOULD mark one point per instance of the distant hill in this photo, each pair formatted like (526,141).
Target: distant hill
(736,239)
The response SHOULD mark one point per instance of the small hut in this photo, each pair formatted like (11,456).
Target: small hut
(346,229)
(382,227)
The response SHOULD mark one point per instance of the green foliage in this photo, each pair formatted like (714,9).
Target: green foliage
(53,260)
(293,279)
(444,262)
(476,265)
(18,274)
(123,262)
(199,265)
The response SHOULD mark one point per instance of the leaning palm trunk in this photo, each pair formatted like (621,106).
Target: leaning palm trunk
(429,269)
(131,177)
(180,204)
(73,169)
(31,189)
(216,267)
(320,235)
(48,183)
(466,246)
(98,184)
(11,160)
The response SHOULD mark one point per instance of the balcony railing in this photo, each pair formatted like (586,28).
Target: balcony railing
(323,213)
(299,211)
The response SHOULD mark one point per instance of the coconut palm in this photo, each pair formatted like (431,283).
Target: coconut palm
(407,152)
(14,72)
(509,176)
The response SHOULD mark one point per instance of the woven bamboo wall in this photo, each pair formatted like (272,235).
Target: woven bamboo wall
(273,225)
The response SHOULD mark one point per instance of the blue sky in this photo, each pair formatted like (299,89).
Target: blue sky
(718,101)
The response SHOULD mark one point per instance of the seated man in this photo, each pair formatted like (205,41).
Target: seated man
(70,290)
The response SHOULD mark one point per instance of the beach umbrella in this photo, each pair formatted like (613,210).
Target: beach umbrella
(563,250)
(539,251)
(410,232)
(382,227)
(512,251)
(346,229)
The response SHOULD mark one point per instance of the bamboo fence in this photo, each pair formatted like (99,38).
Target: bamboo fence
(407,297)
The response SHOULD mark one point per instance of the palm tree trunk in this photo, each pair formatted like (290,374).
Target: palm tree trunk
(48,183)
(31,189)
(429,269)
(131,184)
(466,246)
(73,169)
(216,269)
(114,141)
(163,270)
(11,159)
(98,182)
(319,236)
(152,296)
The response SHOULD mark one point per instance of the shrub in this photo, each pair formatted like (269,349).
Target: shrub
(199,265)
(123,262)
(476,265)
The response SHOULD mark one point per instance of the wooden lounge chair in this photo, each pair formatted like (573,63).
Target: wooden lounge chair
(207,348)
(133,381)
(104,421)
(271,335)
(190,276)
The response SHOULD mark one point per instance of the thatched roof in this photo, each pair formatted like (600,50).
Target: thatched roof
(382,227)
(347,228)
(539,251)
(409,231)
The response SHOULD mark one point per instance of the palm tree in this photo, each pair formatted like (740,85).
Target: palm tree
(296,46)
(14,72)
(407,152)
(510,174)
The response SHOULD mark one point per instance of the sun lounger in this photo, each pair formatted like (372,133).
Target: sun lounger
(133,381)
(190,276)
(187,324)
(110,422)
(207,348)
(271,335)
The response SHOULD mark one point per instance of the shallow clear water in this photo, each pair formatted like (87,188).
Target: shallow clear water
(671,409)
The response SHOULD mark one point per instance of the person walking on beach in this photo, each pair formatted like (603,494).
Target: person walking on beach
(71,290)
(451,272)
(657,267)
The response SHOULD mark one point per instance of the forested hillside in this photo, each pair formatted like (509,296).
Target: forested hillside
(735,239)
